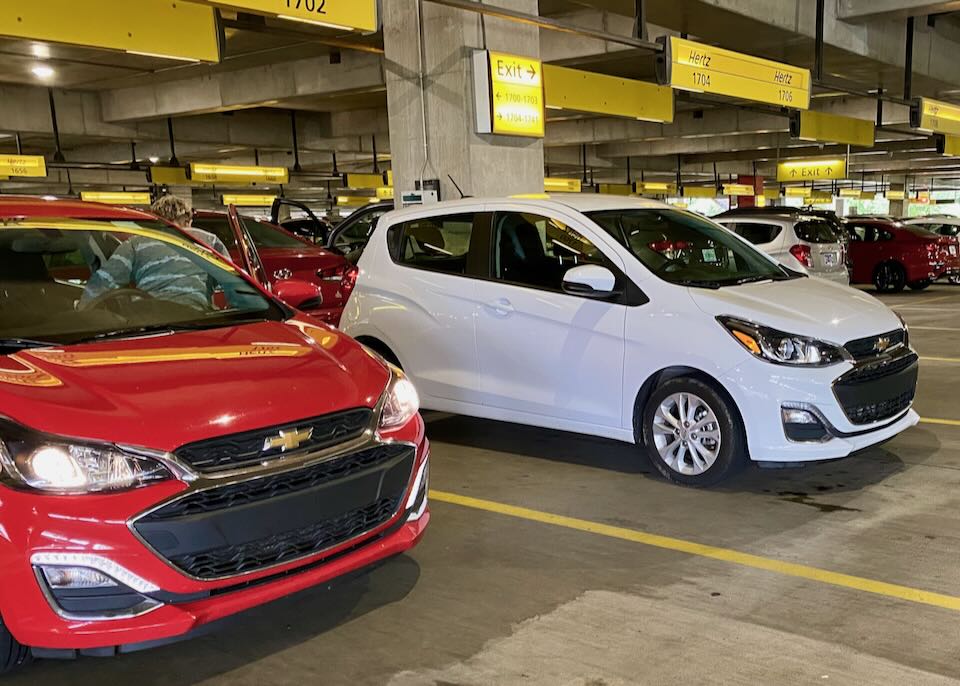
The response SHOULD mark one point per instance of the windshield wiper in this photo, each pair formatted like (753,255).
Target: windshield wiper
(24,343)
(168,328)
(692,283)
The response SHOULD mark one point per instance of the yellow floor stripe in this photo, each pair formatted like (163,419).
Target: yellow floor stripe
(944,422)
(913,595)
(940,359)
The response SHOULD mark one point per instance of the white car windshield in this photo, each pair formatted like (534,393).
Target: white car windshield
(685,249)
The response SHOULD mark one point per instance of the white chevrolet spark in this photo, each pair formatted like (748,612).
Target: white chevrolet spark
(633,320)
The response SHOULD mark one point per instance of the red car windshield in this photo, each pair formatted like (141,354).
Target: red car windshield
(67,281)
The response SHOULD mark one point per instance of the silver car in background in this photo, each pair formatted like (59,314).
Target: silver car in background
(801,242)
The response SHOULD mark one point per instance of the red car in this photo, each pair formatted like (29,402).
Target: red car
(276,257)
(177,445)
(892,256)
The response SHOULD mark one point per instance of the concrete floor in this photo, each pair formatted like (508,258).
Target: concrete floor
(492,599)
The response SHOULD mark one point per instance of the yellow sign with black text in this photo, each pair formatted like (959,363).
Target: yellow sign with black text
(23,165)
(738,189)
(358,15)
(936,116)
(158,28)
(516,95)
(691,66)
(237,175)
(811,170)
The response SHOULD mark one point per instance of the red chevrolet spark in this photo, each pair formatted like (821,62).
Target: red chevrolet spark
(176,445)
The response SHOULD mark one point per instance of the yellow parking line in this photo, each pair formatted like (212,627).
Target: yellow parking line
(910,303)
(907,593)
(939,359)
(944,422)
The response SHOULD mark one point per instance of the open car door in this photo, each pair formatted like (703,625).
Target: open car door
(312,228)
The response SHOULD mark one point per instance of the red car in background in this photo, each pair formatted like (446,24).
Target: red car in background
(284,262)
(892,256)
(177,445)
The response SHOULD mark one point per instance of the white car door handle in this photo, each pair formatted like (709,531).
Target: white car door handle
(501,306)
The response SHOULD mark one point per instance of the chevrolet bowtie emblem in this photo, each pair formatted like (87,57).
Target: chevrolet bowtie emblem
(287,440)
(882,344)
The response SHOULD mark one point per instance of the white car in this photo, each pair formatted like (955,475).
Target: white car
(800,242)
(629,319)
(942,225)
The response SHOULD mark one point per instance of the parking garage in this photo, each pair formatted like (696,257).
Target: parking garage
(657,308)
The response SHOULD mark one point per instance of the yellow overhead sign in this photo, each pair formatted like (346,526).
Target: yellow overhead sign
(583,91)
(23,165)
(797,192)
(936,116)
(509,94)
(850,192)
(168,176)
(110,198)
(699,192)
(385,193)
(948,145)
(556,185)
(809,170)
(354,200)
(616,188)
(832,128)
(896,195)
(771,193)
(738,189)
(161,28)
(237,175)
(349,15)
(249,200)
(691,66)
(367,181)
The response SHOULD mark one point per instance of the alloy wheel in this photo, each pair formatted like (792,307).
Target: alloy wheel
(686,433)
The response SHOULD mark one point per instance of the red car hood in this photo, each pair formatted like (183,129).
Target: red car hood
(163,392)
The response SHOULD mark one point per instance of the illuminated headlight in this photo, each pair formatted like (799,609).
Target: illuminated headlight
(401,403)
(779,347)
(54,465)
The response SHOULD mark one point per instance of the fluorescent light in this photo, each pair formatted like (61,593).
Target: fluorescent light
(553,107)
(153,159)
(42,71)
(40,50)
(325,24)
(161,56)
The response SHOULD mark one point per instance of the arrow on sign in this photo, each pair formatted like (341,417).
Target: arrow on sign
(532,72)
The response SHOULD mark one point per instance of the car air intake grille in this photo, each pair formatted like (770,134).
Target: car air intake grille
(863,348)
(242,449)
(247,526)
(875,391)
(264,552)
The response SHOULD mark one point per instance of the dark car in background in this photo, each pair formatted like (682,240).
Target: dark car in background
(892,256)
(284,262)
(348,238)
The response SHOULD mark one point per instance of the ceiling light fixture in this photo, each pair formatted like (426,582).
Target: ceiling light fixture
(42,71)
(41,51)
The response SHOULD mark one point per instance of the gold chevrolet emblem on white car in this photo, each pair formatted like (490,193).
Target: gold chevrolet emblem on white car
(882,344)
(287,440)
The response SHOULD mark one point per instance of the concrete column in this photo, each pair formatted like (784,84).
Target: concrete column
(898,208)
(483,165)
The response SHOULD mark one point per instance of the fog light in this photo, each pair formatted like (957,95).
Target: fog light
(794,416)
(76,577)
(803,426)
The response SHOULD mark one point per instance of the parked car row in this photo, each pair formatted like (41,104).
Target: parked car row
(178,444)
(886,253)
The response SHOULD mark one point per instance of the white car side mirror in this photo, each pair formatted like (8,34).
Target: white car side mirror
(590,281)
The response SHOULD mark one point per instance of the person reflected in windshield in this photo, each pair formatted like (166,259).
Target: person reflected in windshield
(153,268)
(175,210)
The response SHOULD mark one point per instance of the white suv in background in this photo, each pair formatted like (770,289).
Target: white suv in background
(629,319)
(803,243)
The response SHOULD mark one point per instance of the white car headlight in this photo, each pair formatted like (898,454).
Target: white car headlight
(783,348)
(401,403)
(62,466)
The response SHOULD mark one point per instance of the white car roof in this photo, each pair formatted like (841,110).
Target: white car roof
(580,202)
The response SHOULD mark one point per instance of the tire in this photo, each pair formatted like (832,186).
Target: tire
(702,461)
(889,277)
(920,285)
(13,656)
(954,280)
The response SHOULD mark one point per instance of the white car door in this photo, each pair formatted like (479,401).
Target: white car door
(419,298)
(541,351)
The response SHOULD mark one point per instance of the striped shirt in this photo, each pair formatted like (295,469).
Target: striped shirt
(155,268)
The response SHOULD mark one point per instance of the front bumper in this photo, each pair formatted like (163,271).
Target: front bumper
(101,525)
(761,390)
